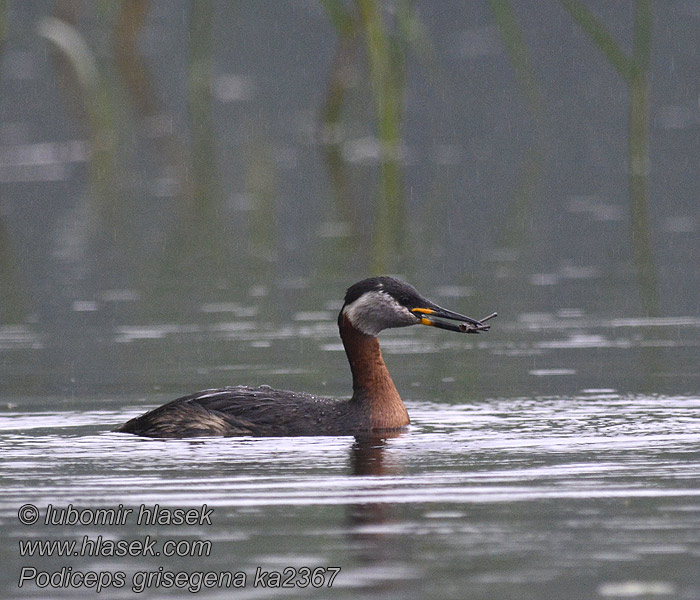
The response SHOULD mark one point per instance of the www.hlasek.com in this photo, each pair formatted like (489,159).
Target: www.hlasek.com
(68,577)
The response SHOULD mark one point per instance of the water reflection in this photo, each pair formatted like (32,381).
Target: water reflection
(385,52)
(368,458)
(499,496)
(634,70)
(168,223)
(383,556)
(373,46)
(149,107)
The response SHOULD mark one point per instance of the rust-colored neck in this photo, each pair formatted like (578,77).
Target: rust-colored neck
(373,388)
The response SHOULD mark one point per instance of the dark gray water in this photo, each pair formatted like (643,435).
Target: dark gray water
(187,189)
(594,492)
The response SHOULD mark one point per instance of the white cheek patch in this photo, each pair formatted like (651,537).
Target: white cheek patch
(374,311)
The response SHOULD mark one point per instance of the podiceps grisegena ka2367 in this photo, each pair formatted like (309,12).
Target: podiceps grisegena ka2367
(370,306)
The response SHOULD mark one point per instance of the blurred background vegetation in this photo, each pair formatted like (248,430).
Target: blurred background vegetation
(530,156)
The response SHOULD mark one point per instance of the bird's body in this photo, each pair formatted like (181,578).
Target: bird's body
(243,410)
(370,306)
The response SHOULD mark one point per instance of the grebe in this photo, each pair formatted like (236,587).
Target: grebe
(370,305)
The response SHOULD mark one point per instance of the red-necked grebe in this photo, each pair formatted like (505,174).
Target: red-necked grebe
(371,305)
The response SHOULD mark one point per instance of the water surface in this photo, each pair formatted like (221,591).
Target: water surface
(594,493)
(187,189)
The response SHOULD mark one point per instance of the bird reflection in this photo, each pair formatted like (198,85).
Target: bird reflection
(380,553)
(367,458)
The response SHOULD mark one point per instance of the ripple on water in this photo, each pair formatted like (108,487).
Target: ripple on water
(596,445)
(19,337)
(525,490)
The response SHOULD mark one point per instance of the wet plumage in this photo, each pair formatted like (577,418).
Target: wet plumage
(243,410)
(370,306)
